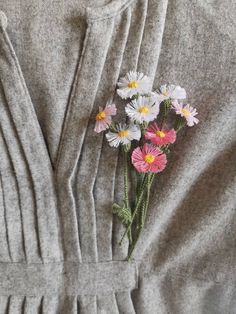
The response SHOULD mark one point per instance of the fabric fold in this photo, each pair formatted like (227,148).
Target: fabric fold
(28,150)
(12,214)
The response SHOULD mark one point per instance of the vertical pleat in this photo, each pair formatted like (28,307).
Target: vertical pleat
(85,190)
(4,303)
(129,62)
(152,37)
(105,182)
(5,254)
(29,139)
(16,305)
(141,54)
(87,305)
(107,304)
(26,198)
(60,305)
(89,169)
(11,203)
(32,305)
(67,305)
(49,305)
(135,36)
(104,188)
(79,110)
(64,173)
(125,303)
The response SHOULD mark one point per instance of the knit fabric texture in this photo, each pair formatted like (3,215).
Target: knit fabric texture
(59,252)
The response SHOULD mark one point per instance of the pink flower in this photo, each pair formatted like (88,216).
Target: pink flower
(148,159)
(103,118)
(186,111)
(160,137)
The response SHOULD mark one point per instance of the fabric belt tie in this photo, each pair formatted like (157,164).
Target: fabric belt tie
(67,278)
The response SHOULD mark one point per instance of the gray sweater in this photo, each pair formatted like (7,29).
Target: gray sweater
(59,252)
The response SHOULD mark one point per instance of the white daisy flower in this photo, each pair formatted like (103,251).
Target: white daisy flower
(124,135)
(143,109)
(171,92)
(186,111)
(133,83)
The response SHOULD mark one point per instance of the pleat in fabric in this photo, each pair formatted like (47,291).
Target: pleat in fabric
(28,178)
(85,190)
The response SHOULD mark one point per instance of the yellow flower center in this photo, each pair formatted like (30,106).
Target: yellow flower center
(100,116)
(165,93)
(143,109)
(161,134)
(149,158)
(133,84)
(123,133)
(185,112)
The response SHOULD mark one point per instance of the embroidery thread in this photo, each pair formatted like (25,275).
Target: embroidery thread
(145,139)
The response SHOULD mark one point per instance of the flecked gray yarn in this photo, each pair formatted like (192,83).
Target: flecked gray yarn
(59,252)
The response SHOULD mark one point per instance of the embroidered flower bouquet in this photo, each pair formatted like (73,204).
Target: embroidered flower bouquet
(153,121)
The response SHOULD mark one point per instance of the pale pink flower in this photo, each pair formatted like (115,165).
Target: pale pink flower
(186,111)
(160,137)
(148,159)
(103,118)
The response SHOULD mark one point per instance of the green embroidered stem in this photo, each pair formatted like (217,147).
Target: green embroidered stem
(140,184)
(126,180)
(165,108)
(150,178)
(138,203)
(126,188)
(142,214)
(149,184)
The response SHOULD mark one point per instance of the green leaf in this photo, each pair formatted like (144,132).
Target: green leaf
(123,213)
(165,107)
(127,147)
(180,122)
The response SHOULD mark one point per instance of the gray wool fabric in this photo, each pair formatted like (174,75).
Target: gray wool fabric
(59,252)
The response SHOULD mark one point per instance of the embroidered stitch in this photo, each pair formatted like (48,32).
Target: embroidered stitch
(145,141)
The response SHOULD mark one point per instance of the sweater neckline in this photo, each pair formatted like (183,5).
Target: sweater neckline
(100,22)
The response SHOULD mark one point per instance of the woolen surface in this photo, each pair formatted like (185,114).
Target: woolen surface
(59,252)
